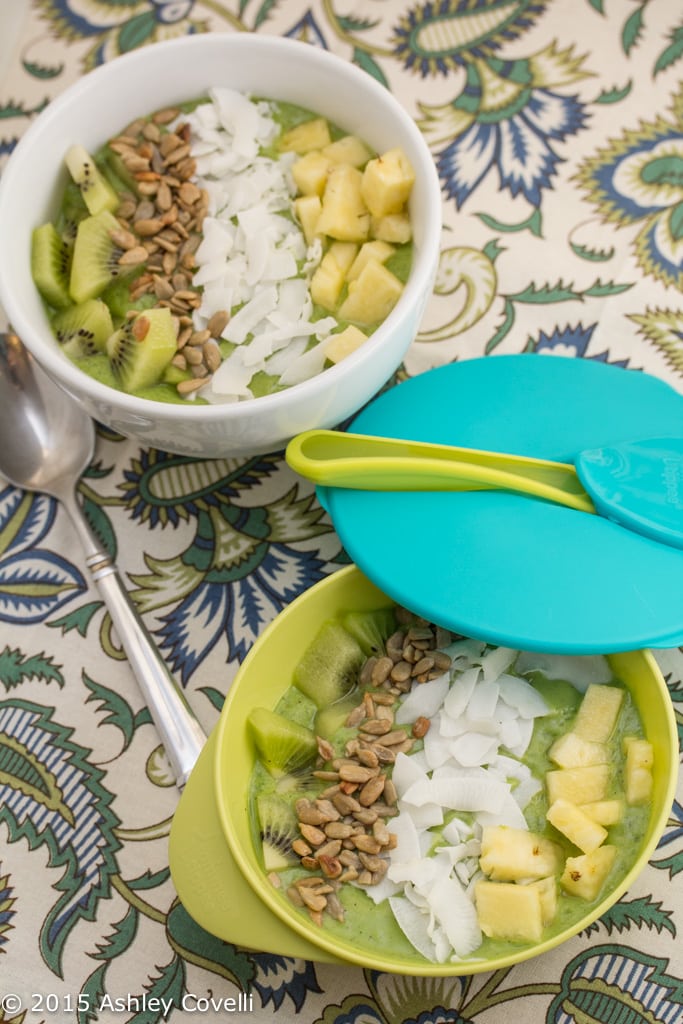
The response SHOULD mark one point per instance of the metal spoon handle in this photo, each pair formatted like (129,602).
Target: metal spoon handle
(179,730)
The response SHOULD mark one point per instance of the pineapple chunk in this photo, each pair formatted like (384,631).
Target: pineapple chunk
(598,712)
(585,875)
(329,277)
(573,823)
(573,751)
(605,812)
(547,891)
(372,295)
(344,253)
(304,137)
(310,173)
(307,211)
(339,346)
(348,150)
(638,769)
(578,785)
(375,250)
(508,911)
(387,182)
(327,282)
(395,228)
(344,214)
(509,854)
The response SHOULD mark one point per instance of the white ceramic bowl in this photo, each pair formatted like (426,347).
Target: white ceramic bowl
(104,101)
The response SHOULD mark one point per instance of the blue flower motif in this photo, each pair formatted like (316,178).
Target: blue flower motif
(518,146)
(34,582)
(280,977)
(508,116)
(236,609)
(573,341)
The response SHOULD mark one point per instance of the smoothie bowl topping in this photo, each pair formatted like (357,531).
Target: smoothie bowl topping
(467,799)
(224,250)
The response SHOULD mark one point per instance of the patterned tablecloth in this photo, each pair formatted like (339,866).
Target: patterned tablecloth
(557,130)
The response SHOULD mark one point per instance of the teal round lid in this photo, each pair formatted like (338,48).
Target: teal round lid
(505,568)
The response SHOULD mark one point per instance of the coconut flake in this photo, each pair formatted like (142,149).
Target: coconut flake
(458,794)
(579,670)
(414,924)
(252,250)
(425,700)
(519,694)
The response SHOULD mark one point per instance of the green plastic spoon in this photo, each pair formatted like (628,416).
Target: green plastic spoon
(638,484)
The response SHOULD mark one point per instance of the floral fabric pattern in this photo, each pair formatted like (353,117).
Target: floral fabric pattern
(556,127)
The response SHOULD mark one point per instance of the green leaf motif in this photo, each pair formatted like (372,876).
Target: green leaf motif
(167,987)
(78,619)
(263,12)
(137,31)
(632,30)
(10,110)
(635,913)
(100,525)
(369,64)
(350,24)
(120,939)
(216,697)
(15,667)
(601,289)
(116,710)
(672,53)
(198,947)
(598,5)
(532,224)
(41,70)
(593,255)
(150,880)
(93,992)
(614,95)
(505,327)
(545,293)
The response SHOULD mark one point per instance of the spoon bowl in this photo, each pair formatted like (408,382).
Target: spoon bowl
(46,442)
(57,438)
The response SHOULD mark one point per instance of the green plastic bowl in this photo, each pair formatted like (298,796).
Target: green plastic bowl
(267,672)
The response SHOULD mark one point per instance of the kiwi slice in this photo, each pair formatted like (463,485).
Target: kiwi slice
(277,829)
(117,295)
(329,668)
(283,746)
(117,174)
(97,193)
(371,629)
(71,212)
(141,350)
(95,256)
(50,260)
(329,720)
(83,330)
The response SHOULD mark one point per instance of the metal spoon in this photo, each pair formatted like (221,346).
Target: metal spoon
(46,442)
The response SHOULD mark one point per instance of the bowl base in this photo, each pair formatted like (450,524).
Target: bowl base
(209,883)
